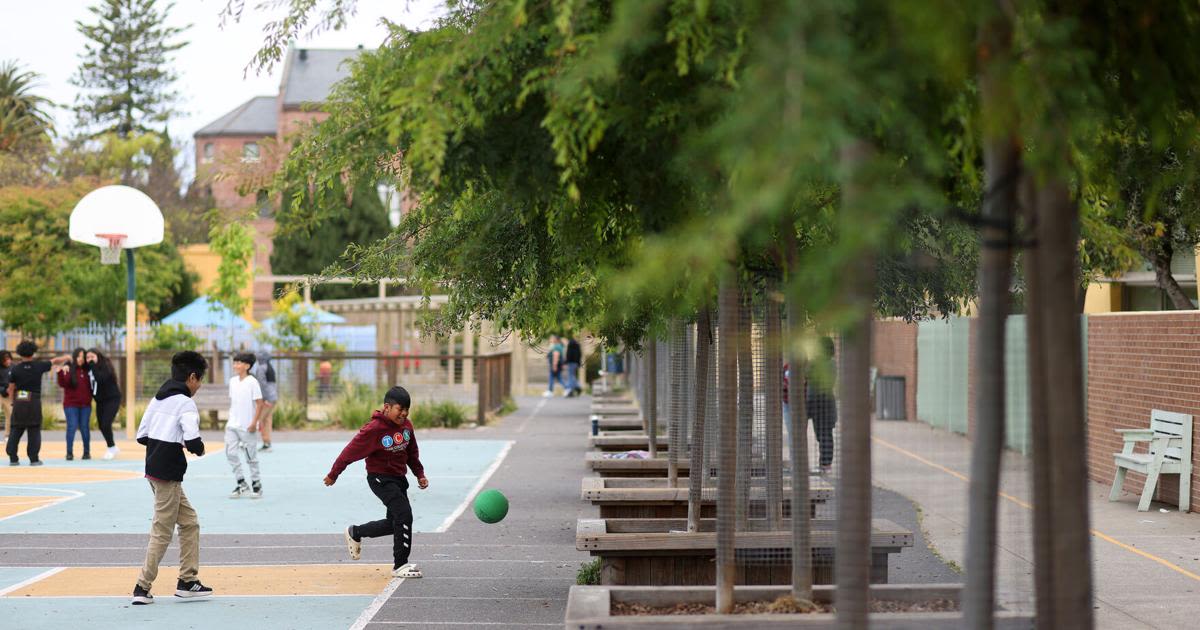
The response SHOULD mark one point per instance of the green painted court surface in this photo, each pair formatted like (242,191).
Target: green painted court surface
(295,503)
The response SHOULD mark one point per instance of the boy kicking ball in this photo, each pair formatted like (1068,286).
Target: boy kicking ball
(389,444)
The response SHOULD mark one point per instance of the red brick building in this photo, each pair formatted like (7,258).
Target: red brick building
(308,75)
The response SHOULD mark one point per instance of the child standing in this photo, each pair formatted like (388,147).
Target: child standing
(245,406)
(170,424)
(76,382)
(389,444)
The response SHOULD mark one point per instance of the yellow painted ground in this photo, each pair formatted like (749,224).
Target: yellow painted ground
(302,579)
(25,475)
(13,505)
(130,450)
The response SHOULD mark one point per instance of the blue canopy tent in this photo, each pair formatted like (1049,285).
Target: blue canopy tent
(311,314)
(206,313)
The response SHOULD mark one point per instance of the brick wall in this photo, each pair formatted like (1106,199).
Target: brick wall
(224,148)
(894,353)
(1137,362)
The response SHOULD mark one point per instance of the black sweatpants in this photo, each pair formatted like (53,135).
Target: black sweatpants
(393,492)
(33,444)
(106,412)
(823,424)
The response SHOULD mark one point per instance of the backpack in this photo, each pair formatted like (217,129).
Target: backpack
(270,373)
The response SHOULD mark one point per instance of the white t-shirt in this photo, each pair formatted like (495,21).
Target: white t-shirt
(242,394)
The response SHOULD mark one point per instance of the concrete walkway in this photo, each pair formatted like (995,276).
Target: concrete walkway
(1146,565)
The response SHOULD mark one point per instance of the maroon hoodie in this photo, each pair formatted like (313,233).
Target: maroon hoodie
(390,449)
(76,393)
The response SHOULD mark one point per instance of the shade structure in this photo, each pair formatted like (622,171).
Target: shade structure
(204,312)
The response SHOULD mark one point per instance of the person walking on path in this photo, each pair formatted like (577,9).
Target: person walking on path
(5,401)
(107,394)
(264,373)
(555,359)
(75,379)
(245,407)
(573,358)
(389,444)
(25,392)
(171,424)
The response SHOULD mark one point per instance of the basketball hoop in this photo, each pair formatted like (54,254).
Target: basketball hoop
(110,249)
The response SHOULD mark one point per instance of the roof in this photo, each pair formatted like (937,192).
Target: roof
(204,312)
(309,73)
(255,117)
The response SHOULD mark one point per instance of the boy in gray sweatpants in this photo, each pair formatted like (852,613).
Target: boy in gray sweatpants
(245,407)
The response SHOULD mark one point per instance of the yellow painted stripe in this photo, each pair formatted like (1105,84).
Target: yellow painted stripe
(25,475)
(13,505)
(267,580)
(1097,533)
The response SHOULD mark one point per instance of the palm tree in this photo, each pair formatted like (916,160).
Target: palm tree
(23,115)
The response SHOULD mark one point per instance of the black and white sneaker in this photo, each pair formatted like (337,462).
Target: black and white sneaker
(353,545)
(141,596)
(256,490)
(242,490)
(189,590)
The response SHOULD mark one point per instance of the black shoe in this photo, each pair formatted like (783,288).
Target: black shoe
(36,463)
(15,462)
(189,590)
(87,456)
(242,490)
(70,457)
(256,490)
(265,447)
(141,596)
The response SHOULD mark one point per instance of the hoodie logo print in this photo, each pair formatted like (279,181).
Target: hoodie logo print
(387,441)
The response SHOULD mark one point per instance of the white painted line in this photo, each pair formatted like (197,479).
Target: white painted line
(532,415)
(37,578)
(365,617)
(450,598)
(487,474)
(72,494)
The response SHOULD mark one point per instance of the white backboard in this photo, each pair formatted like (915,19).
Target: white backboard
(117,210)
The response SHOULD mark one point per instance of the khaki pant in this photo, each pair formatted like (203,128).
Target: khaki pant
(171,508)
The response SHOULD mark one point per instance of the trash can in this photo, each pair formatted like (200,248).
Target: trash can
(889,398)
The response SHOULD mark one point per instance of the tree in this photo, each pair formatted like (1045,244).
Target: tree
(234,243)
(24,120)
(126,67)
(362,219)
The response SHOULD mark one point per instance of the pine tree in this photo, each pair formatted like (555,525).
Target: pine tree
(125,67)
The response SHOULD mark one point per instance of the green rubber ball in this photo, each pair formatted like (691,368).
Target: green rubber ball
(491,506)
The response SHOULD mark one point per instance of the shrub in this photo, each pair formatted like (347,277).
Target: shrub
(441,414)
(50,418)
(589,573)
(173,337)
(506,407)
(353,407)
(290,414)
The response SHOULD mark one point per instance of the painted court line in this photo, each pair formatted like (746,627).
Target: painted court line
(460,623)
(487,474)
(1098,534)
(532,415)
(37,578)
(365,616)
(72,494)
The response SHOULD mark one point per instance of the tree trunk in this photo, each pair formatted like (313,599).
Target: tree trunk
(853,559)
(1066,437)
(651,410)
(1039,426)
(1161,260)
(677,400)
(698,469)
(1001,159)
(773,414)
(798,437)
(745,403)
(727,421)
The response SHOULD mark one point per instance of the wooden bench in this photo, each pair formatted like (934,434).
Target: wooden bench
(616,410)
(617,423)
(665,502)
(211,398)
(660,552)
(1169,441)
(610,467)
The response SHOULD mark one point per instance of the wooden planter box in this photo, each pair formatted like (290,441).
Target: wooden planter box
(617,423)
(665,502)
(606,409)
(660,552)
(609,467)
(626,440)
(590,608)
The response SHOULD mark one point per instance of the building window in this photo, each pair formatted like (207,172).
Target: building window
(263,203)
(208,152)
(250,152)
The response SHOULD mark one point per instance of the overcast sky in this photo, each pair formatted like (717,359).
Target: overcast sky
(41,36)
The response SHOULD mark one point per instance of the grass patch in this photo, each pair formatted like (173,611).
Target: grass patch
(289,414)
(353,408)
(589,573)
(506,407)
(441,414)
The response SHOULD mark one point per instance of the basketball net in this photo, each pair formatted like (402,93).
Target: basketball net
(110,250)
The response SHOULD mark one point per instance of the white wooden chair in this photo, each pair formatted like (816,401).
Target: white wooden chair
(1170,452)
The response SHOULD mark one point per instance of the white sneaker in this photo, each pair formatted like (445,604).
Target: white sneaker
(354,546)
(112,452)
(547,394)
(409,570)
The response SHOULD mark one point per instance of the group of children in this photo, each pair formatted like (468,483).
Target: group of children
(171,424)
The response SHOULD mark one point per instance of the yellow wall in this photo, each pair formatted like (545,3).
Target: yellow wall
(1102,297)
(202,261)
